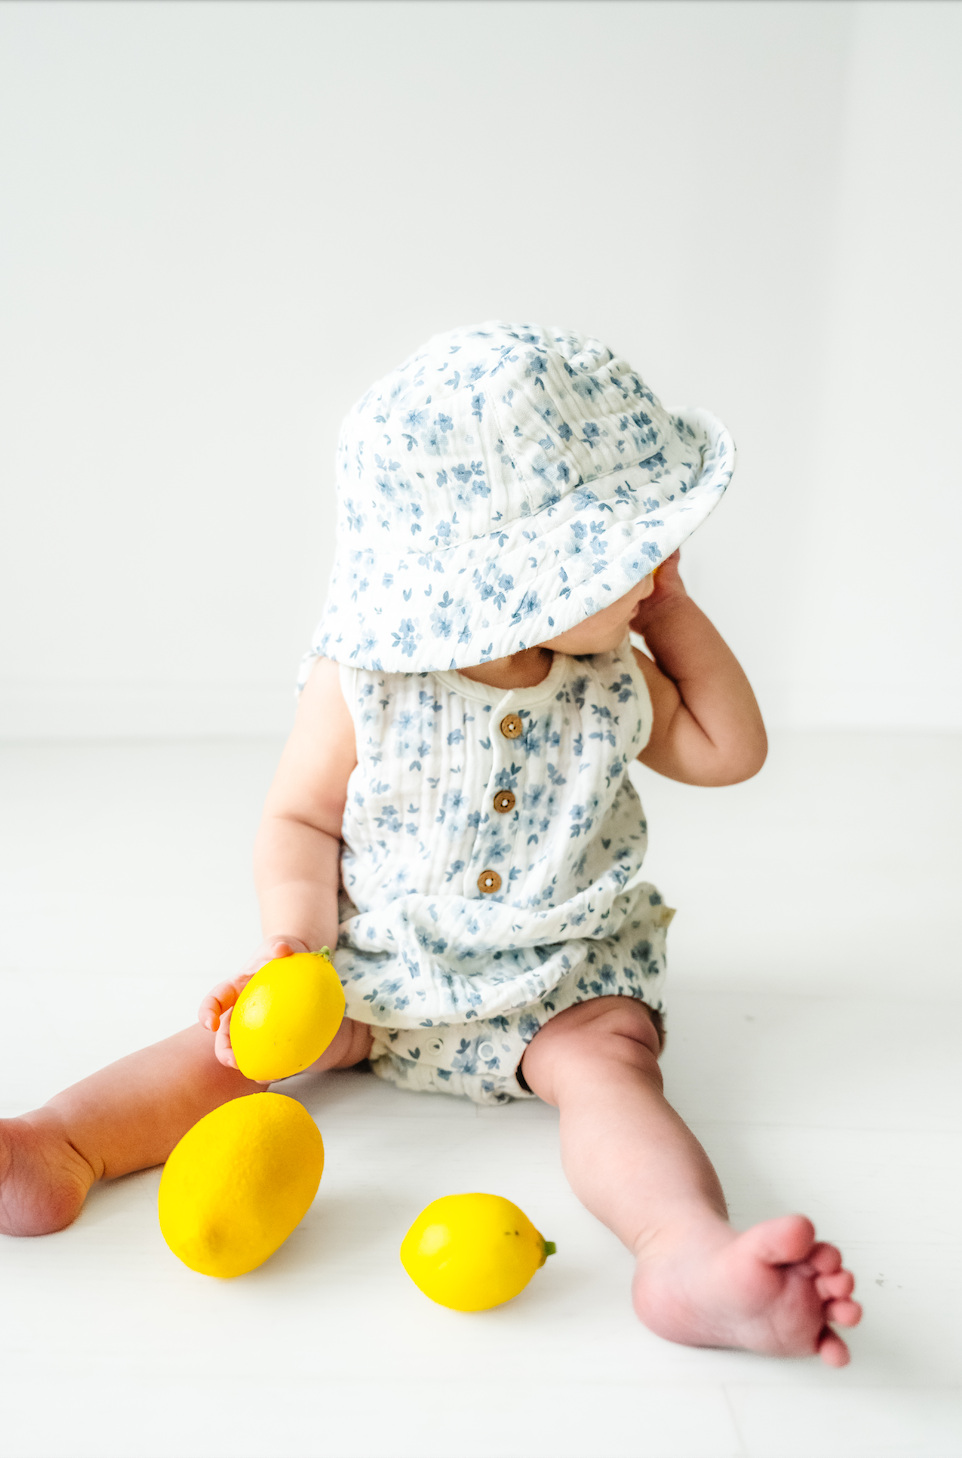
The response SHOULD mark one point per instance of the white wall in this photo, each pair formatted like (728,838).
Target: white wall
(223,221)
(877,640)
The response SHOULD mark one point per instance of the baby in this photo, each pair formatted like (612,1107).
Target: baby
(453,813)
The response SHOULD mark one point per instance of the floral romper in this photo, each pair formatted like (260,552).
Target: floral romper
(492,865)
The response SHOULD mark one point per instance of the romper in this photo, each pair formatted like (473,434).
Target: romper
(491,864)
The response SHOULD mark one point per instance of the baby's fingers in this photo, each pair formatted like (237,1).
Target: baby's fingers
(216,1003)
(223,1051)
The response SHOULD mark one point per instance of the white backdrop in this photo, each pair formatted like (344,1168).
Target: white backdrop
(222,221)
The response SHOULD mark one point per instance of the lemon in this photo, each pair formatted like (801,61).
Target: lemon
(286,1016)
(238,1183)
(470,1252)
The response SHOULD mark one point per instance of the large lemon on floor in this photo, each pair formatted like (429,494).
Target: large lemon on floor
(238,1183)
(470,1252)
(286,1016)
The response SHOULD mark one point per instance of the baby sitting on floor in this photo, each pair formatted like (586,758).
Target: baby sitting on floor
(453,812)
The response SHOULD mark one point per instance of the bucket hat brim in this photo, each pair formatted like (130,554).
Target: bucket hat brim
(422,611)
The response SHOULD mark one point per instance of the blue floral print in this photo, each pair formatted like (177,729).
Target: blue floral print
(497,488)
(455,979)
(500,486)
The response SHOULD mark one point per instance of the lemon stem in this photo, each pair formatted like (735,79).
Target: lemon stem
(549,1249)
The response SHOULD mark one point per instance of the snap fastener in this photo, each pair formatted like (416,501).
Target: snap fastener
(489,881)
(512,727)
(486,1051)
(503,802)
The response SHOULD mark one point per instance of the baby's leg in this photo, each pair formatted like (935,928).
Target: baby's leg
(127,1116)
(635,1165)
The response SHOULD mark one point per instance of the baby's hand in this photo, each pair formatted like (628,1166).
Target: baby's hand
(215,1010)
(668,584)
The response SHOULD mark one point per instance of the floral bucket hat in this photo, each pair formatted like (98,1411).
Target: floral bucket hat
(499,487)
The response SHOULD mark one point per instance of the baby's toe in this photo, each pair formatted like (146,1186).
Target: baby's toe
(787,1240)
(843,1313)
(842,1283)
(832,1349)
(825,1258)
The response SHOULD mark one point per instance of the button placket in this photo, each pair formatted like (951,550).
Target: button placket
(511,727)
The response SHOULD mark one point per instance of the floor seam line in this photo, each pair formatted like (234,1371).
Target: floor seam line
(742,1447)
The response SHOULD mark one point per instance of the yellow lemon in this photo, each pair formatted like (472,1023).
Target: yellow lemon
(238,1183)
(286,1016)
(470,1252)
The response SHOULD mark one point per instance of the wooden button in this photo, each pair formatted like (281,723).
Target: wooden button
(503,802)
(489,881)
(512,727)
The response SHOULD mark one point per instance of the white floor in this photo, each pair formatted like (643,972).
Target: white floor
(814,1047)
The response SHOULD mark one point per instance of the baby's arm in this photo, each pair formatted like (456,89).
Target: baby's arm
(707,726)
(297,850)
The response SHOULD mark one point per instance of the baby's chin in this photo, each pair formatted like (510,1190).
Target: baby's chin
(584,645)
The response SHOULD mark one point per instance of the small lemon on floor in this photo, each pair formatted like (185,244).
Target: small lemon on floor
(470,1252)
(238,1183)
(286,1016)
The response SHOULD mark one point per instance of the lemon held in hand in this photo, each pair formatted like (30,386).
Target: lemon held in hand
(286,1016)
(470,1252)
(238,1183)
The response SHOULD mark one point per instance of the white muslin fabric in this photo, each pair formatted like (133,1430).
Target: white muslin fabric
(501,485)
(492,865)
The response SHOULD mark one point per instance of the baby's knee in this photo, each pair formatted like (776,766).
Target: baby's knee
(605,1030)
(602,1023)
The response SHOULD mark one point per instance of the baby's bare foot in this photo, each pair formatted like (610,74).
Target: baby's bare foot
(43,1179)
(773,1289)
